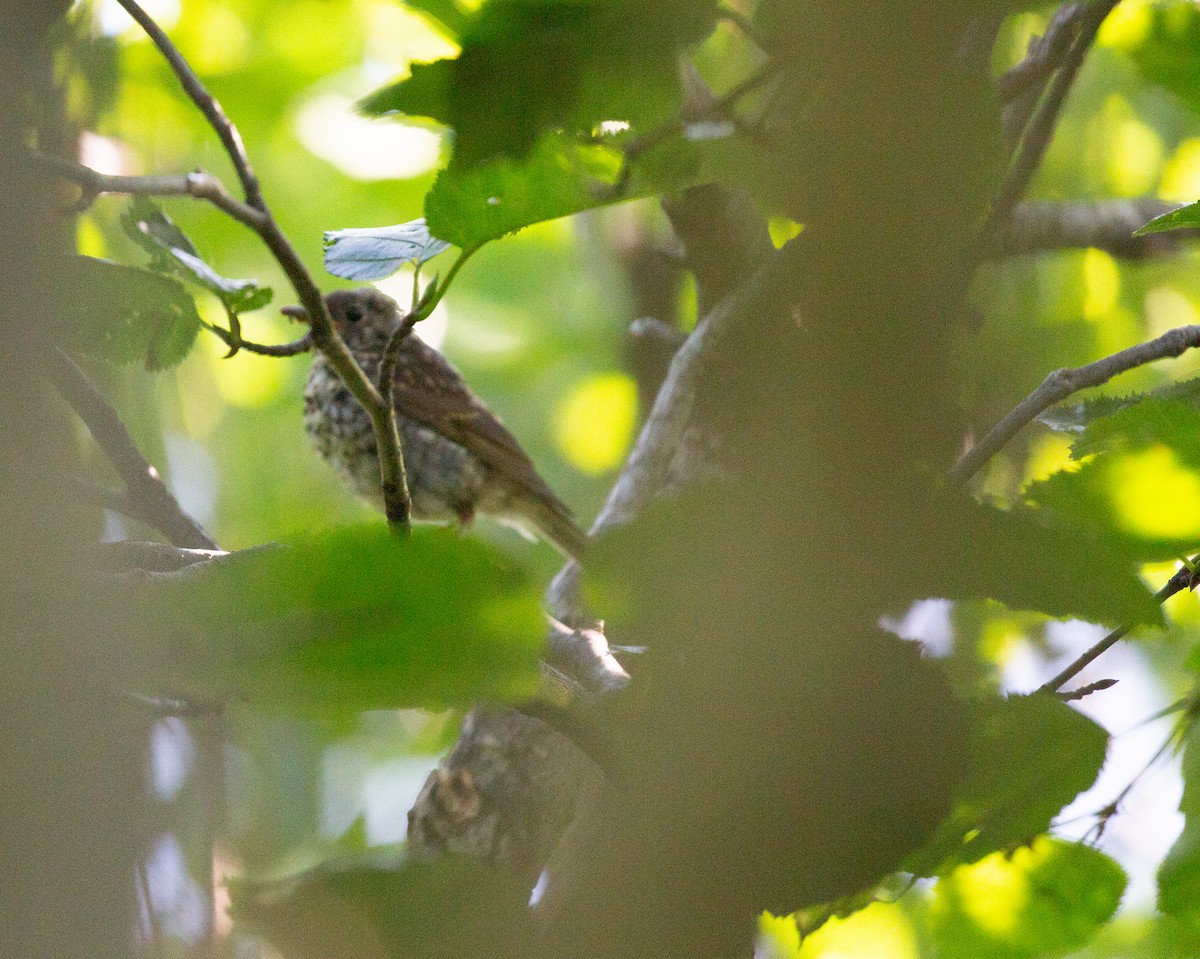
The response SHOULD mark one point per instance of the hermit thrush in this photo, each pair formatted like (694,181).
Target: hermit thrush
(460,459)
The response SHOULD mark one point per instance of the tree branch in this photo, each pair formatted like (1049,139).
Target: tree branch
(1062,383)
(511,775)
(1046,53)
(1184,578)
(147,495)
(235,342)
(395,480)
(1106,225)
(323,336)
(1037,134)
(205,101)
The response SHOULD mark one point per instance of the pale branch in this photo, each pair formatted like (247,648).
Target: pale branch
(1046,53)
(1064,382)
(512,784)
(586,658)
(323,335)
(1040,129)
(198,185)
(146,493)
(1107,225)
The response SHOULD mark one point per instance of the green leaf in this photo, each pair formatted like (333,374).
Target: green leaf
(172,252)
(355,620)
(1179,874)
(558,178)
(1042,901)
(1174,423)
(1027,561)
(371,253)
(532,66)
(1186,217)
(1083,497)
(1075,417)
(1164,429)
(364,908)
(125,314)
(1029,757)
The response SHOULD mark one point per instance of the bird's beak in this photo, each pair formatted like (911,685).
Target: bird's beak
(298,313)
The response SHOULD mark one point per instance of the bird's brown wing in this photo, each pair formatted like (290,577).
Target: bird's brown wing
(431,391)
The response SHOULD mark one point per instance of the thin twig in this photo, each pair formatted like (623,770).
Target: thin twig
(1076,695)
(198,185)
(1037,135)
(1062,383)
(294,348)
(1183,579)
(399,503)
(323,335)
(205,101)
(147,494)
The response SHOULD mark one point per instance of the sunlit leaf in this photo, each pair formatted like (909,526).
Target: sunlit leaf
(1074,417)
(172,252)
(1029,757)
(125,314)
(559,177)
(371,253)
(449,18)
(1185,217)
(358,619)
(1044,900)
(1139,488)
(532,66)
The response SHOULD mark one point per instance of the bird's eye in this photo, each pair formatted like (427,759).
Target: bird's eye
(353,314)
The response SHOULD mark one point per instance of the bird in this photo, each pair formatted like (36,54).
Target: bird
(460,459)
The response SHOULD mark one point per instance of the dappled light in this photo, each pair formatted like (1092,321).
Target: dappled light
(633,478)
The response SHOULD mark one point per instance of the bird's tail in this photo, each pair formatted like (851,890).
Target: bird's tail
(554,521)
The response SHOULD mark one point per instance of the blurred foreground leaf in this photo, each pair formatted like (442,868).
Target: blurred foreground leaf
(1044,900)
(1022,560)
(1029,757)
(172,252)
(1169,51)
(355,620)
(125,314)
(359,908)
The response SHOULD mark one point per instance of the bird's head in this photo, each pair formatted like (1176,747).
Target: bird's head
(354,309)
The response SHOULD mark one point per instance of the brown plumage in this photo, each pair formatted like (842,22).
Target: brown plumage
(460,459)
